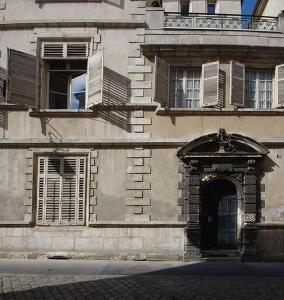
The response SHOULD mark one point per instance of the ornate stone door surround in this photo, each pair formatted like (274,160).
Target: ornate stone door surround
(233,157)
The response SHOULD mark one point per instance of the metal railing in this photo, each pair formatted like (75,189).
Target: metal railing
(220,21)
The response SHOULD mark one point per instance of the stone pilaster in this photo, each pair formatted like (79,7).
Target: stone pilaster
(137,185)
(30,185)
(93,185)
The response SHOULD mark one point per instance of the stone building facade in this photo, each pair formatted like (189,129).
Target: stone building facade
(141,130)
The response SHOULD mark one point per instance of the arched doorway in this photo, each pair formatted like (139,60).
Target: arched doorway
(220,196)
(219,215)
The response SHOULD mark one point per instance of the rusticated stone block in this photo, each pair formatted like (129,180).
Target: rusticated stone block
(138,185)
(138,201)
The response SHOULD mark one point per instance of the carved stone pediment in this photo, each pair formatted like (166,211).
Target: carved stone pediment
(222,144)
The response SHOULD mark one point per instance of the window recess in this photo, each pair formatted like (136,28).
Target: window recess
(258,89)
(189,88)
(61,190)
(251,88)
(70,77)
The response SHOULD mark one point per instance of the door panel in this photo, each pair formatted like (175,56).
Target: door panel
(227,222)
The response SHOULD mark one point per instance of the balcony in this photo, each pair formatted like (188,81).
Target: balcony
(220,22)
(172,31)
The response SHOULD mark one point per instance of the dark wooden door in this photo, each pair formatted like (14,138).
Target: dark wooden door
(219,216)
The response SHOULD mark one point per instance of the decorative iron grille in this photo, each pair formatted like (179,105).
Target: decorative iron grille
(225,22)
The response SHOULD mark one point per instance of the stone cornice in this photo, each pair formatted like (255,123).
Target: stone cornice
(101,23)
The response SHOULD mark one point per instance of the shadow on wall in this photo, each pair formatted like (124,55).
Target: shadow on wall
(115,95)
(112,110)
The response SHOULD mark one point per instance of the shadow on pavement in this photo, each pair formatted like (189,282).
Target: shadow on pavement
(192,281)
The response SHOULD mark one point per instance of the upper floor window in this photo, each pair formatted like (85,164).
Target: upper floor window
(63,76)
(211,7)
(258,89)
(184,7)
(66,84)
(185,88)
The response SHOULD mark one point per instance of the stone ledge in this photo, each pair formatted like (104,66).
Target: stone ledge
(137,224)
(105,23)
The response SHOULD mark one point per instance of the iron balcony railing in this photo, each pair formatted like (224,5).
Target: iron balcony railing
(220,21)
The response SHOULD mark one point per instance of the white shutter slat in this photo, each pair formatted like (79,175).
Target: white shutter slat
(68,201)
(22,78)
(64,50)
(52,200)
(161,87)
(237,84)
(279,91)
(95,80)
(210,84)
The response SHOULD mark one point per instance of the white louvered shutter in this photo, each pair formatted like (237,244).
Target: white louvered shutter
(279,86)
(61,190)
(22,78)
(64,50)
(210,84)
(95,77)
(161,87)
(237,84)
(41,190)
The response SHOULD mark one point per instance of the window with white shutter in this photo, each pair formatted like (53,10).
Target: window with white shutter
(279,93)
(212,85)
(61,190)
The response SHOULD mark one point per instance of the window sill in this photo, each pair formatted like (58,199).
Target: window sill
(223,111)
(65,1)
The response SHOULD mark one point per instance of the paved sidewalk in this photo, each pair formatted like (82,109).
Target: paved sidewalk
(38,279)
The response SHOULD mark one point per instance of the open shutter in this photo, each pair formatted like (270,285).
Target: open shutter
(95,79)
(237,84)
(161,88)
(22,76)
(279,91)
(3,78)
(210,84)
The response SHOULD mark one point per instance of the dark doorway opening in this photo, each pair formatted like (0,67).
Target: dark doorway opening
(219,215)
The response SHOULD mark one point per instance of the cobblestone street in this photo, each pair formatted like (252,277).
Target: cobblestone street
(174,283)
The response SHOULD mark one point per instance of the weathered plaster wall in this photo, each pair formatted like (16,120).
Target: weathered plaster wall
(111,180)
(164,175)
(12,184)
(29,10)
(273,210)
(273,8)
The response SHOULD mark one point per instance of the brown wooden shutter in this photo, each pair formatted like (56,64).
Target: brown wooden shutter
(22,78)
(210,84)
(161,88)
(237,84)
(95,80)
(279,91)
(3,78)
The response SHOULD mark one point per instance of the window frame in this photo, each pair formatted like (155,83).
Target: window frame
(184,86)
(257,88)
(211,2)
(69,88)
(61,175)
